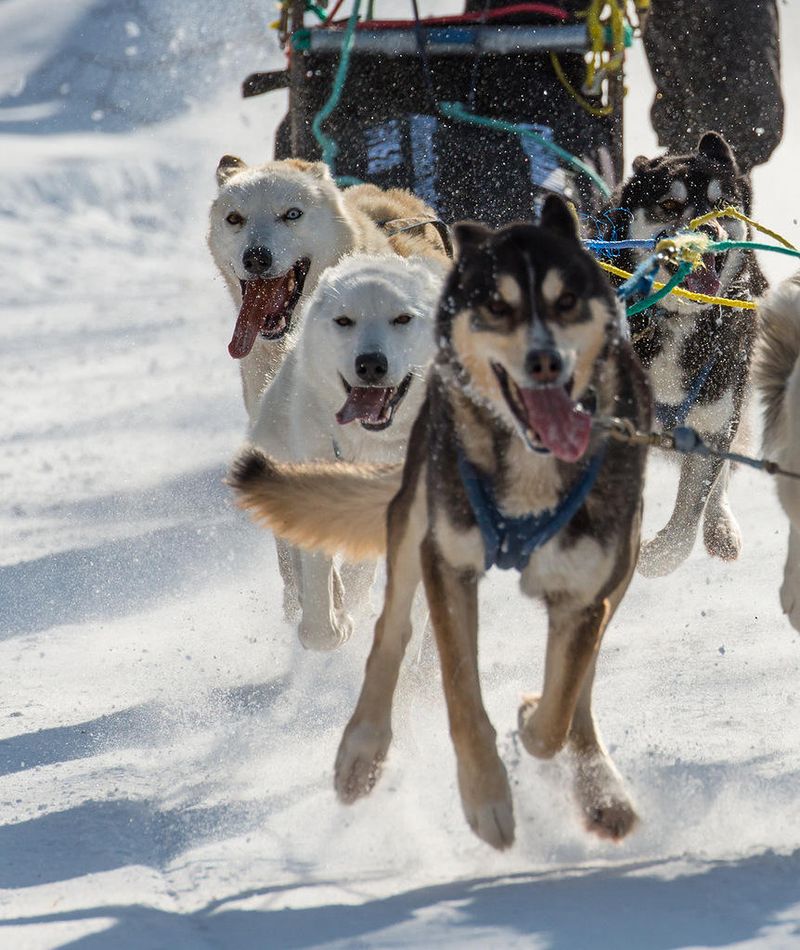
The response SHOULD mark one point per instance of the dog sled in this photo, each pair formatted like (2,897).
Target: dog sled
(480,114)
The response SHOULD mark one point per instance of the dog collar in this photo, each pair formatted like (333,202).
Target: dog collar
(509,542)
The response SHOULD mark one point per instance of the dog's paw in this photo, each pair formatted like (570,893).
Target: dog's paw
(486,800)
(664,554)
(722,537)
(613,819)
(534,739)
(325,637)
(606,808)
(359,759)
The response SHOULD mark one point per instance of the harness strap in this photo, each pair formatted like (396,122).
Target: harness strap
(510,542)
(399,225)
(671,417)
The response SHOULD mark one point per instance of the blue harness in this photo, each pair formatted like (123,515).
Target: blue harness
(671,417)
(509,542)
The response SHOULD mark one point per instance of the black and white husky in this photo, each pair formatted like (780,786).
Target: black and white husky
(503,467)
(698,354)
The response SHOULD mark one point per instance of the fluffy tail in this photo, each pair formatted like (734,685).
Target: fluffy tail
(778,350)
(320,506)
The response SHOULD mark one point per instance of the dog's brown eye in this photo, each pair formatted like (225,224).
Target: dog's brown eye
(402,320)
(671,205)
(234,218)
(566,301)
(344,321)
(498,307)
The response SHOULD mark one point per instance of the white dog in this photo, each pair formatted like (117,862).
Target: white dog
(273,230)
(350,389)
(777,375)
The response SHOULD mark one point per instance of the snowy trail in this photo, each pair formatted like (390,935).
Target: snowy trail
(165,746)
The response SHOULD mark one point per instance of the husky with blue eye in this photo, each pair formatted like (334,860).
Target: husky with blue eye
(697,353)
(504,467)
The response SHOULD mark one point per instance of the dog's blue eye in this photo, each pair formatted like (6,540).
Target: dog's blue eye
(293,214)
(343,321)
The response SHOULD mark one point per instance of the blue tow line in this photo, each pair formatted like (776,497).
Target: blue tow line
(509,542)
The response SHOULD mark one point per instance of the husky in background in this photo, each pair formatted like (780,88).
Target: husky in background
(349,390)
(776,373)
(503,467)
(698,355)
(274,228)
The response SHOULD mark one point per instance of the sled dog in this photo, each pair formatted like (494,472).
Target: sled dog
(504,466)
(274,228)
(349,390)
(698,354)
(776,372)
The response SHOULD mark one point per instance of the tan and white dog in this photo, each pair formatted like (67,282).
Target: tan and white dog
(776,373)
(349,390)
(275,227)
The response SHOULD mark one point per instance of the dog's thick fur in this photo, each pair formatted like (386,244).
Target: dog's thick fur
(776,373)
(366,343)
(281,224)
(526,316)
(678,338)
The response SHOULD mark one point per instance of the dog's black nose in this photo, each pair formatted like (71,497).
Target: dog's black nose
(544,366)
(371,367)
(257,260)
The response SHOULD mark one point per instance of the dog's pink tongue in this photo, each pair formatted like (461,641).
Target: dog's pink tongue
(364,403)
(263,302)
(704,280)
(561,427)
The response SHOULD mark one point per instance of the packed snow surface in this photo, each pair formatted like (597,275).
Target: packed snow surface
(167,748)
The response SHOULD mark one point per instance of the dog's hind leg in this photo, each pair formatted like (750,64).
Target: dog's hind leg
(482,780)
(721,533)
(674,542)
(790,589)
(324,624)
(367,736)
(291,593)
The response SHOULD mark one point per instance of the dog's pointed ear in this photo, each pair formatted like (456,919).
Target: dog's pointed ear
(468,235)
(559,217)
(317,169)
(228,166)
(714,146)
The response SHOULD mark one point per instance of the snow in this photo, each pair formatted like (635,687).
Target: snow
(166,747)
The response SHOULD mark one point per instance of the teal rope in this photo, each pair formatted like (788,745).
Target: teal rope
(683,271)
(456,110)
(751,246)
(328,145)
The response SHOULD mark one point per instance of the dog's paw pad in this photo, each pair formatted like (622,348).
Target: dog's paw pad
(612,820)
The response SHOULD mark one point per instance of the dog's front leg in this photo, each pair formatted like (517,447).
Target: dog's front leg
(324,624)
(368,734)
(573,639)
(287,556)
(721,533)
(674,542)
(482,780)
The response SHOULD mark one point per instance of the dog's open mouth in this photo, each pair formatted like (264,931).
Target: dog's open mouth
(705,279)
(267,307)
(547,417)
(373,406)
